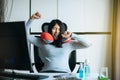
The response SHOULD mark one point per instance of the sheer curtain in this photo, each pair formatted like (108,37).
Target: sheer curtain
(1,10)
(117,48)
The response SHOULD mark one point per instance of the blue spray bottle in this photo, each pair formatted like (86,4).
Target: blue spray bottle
(81,71)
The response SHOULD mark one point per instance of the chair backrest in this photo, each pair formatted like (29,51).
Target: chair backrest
(38,62)
(46,25)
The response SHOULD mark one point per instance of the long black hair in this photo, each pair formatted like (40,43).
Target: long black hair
(63,28)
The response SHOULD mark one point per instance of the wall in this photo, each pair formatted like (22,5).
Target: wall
(92,16)
(79,15)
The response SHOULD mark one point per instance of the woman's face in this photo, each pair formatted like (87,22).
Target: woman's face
(55,31)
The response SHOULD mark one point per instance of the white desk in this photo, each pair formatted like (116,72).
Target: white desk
(93,76)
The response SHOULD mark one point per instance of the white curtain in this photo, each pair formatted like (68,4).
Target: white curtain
(1,10)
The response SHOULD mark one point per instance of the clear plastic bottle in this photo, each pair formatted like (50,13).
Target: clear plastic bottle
(87,69)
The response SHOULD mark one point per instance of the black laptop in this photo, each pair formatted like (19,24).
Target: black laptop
(14,52)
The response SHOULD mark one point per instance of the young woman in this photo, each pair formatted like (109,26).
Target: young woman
(55,55)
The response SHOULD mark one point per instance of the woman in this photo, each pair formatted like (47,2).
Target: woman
(55,55)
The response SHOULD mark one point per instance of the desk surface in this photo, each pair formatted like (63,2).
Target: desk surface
(93,76)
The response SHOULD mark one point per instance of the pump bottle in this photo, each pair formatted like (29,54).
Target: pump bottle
(87,68)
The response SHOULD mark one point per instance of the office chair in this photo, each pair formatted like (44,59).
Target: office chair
(38,62)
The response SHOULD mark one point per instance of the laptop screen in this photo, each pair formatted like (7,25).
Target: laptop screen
(14,52)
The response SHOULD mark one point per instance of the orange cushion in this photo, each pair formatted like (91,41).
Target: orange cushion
(46,37)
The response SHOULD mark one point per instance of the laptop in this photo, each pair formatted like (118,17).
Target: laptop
(14,53)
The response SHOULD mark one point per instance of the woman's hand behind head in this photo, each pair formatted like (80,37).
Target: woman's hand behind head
(66,34)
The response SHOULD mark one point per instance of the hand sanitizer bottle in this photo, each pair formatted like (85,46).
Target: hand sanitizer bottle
(87,69)
(81,71)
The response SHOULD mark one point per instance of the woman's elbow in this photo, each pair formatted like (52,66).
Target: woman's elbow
(87,45)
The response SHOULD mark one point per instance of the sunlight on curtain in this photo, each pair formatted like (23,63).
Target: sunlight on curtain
(117,54)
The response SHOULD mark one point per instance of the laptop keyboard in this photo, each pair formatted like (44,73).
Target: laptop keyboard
(30,76)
